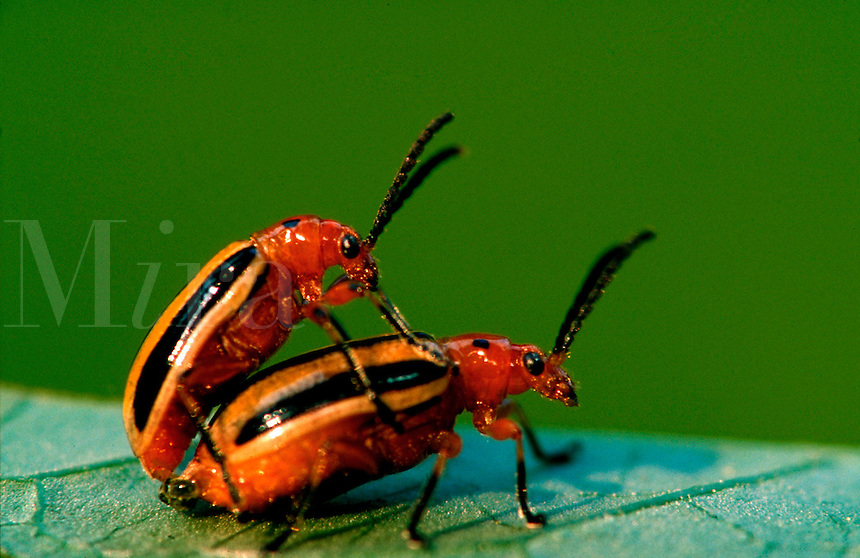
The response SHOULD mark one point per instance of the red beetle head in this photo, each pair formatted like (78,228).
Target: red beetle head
(345,248)
(531,369)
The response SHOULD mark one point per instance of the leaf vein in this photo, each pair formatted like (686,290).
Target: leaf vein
(673,496)
(59,473)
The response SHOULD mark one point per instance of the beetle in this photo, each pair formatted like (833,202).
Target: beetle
(241,307)
(300,430)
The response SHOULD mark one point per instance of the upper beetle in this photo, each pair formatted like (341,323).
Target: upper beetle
(301,430)
(241,307)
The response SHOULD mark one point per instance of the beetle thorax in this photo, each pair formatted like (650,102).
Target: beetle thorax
(484,378)
(293,247)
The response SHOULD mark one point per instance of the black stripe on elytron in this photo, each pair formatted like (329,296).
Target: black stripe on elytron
(157,365)
(317,354)
(388,377)
(304,358)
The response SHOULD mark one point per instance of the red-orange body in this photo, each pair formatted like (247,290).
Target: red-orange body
(342,441)
(234,336)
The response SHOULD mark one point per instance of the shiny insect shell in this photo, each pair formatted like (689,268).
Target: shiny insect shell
(241,308)
(294,409)
(301,430)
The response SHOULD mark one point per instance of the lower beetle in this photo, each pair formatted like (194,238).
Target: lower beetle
(302,430)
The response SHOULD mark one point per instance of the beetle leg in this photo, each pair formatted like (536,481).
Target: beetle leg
(343,289)
(393,316)
(304,502)
(195,410)
(331,457)
(321,316)
(507,429)
(449,446)
(510,407)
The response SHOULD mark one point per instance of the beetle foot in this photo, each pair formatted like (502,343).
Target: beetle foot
(435,352)
(413,539)
(534,520)
(566,455)
(276,543)
(179,493)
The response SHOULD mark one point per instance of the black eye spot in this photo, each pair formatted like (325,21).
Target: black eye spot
(533,363)
(290,223)
(481,343)
(350,246)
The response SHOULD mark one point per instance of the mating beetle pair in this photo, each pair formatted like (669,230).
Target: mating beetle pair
(322,423)
(300,430)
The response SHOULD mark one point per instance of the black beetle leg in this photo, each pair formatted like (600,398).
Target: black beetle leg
(338,335)
(196,413)
(449,447)
(411,532)
(393,316)
(318,473)
(511,407)
(532,519)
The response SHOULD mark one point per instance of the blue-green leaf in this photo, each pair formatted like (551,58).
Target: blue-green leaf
(70,487)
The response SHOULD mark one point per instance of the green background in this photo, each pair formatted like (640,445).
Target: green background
(730,128)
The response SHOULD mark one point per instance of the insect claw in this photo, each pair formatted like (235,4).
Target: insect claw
(413,539)
(536,521)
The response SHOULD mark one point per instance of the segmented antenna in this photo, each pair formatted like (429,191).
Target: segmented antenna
(598,278)
(390,203)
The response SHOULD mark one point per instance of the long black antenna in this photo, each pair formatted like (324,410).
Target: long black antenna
(390,203)
(598,278)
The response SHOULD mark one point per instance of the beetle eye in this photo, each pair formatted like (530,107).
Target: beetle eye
(533,363)
(350,246)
